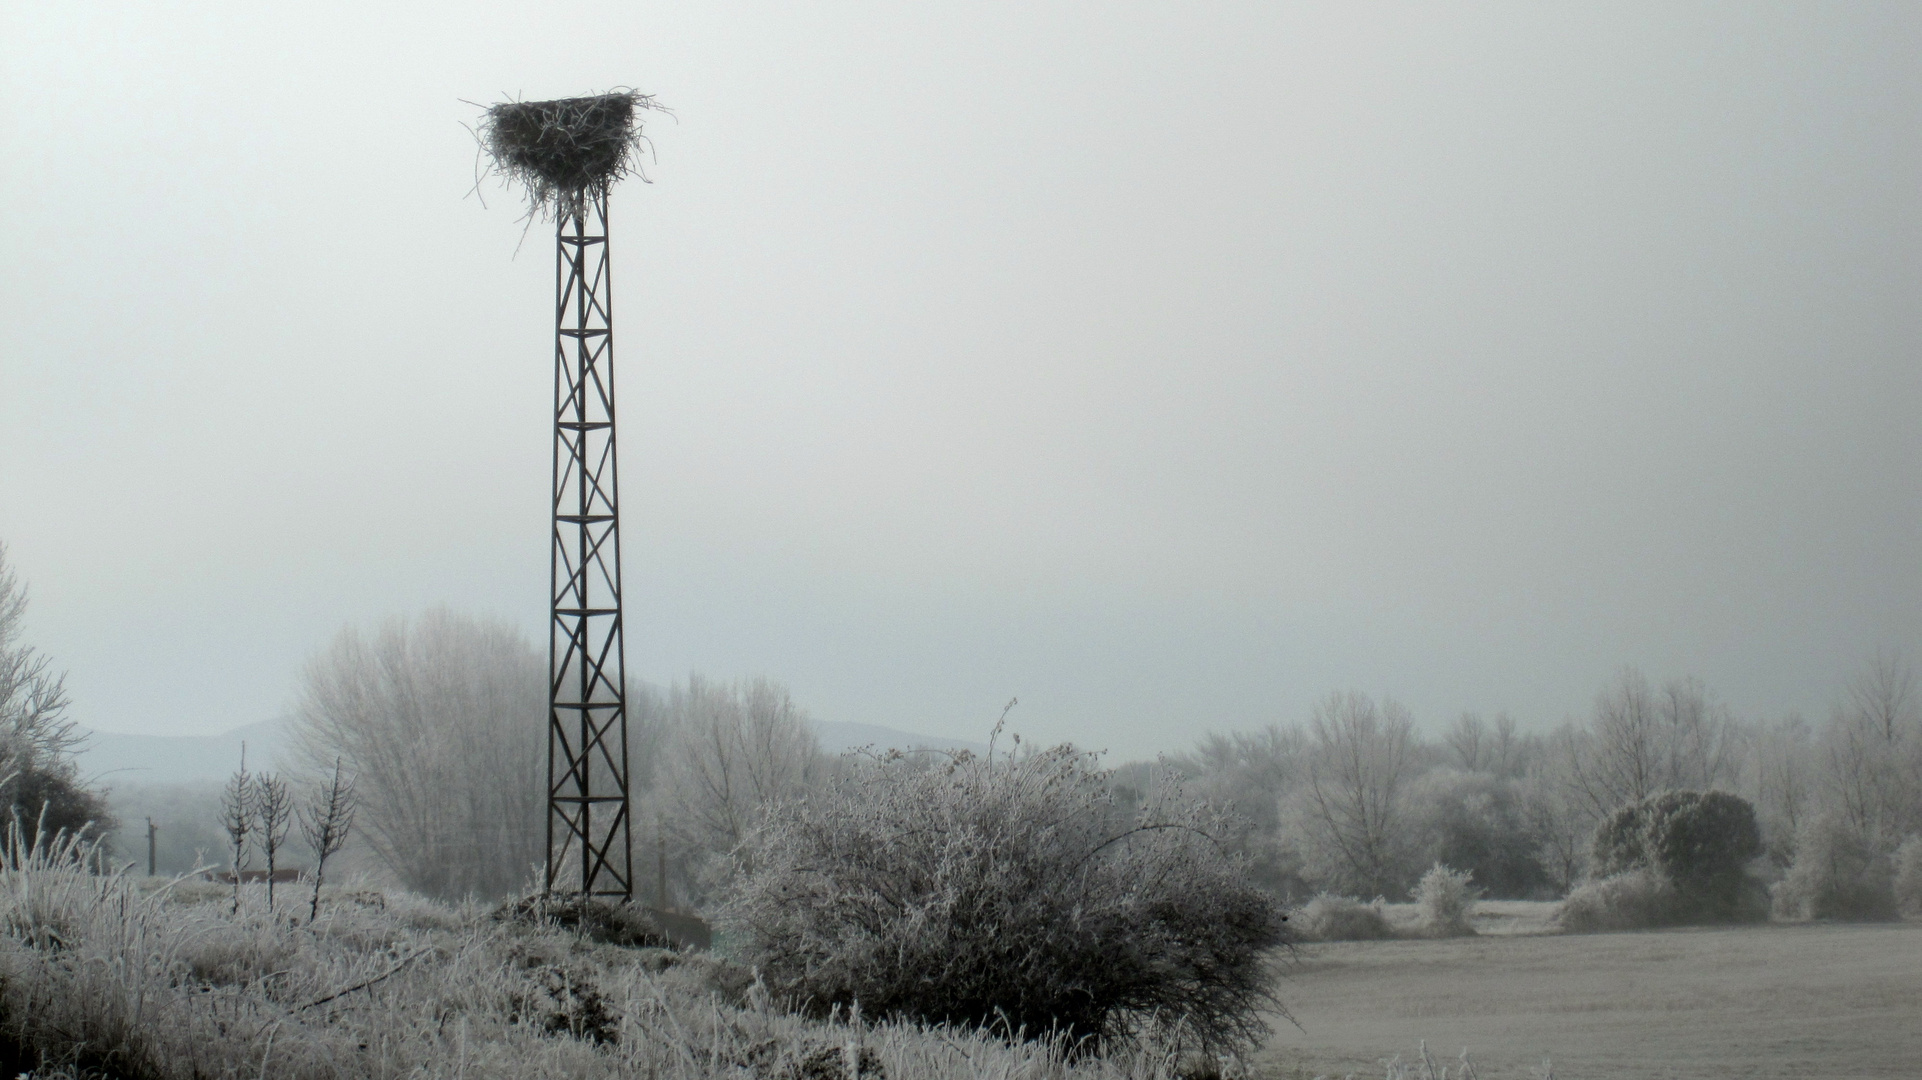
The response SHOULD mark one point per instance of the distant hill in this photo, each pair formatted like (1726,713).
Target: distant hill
(114,759)
(838,737)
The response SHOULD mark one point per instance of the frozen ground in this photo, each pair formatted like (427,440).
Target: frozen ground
(1832,1001)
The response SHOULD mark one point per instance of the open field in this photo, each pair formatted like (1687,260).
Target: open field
(1491,917)
(1831,1001)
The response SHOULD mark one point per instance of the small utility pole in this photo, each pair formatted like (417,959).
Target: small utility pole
(152,829)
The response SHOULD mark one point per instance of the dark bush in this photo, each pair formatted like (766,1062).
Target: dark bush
(49,801)
(1009,893)
(1699,842)
(1621,842)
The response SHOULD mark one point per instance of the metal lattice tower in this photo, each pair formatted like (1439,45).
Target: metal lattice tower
(588,850)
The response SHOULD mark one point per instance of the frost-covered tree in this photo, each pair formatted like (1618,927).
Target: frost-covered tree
(1873,754)
(38,779)
(1364,757)
(442,720)
(1641,740)
(726,752)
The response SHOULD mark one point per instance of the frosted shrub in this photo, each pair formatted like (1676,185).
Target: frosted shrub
(1835,875)
(1636,900)
(1340,918)
(1446,900)
(1007,893)
(1908,877)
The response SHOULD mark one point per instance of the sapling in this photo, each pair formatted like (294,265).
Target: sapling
(274,816)
(325,822)
(237,818)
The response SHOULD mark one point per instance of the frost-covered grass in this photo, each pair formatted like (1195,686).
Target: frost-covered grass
(113,975)
(1760,1000)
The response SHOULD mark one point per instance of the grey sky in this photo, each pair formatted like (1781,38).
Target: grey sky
(1166,365)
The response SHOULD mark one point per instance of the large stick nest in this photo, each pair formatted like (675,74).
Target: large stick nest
(560,152)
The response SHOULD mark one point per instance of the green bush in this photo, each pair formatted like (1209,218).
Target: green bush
(1700,843)
(1340,918)
(1007,893)
(1836,875)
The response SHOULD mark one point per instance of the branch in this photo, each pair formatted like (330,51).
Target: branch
(1096,850)
(388,974)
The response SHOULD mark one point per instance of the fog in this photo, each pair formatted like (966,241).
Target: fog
(1166,366)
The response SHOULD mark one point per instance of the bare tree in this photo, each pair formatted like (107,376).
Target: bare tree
(324,823)
(1640,741)
(729,752)
(443,722)
(1782,757)
(273,817)
(1873,752)
(237,818)
(1468,737)
(1270,758)
(1509,754)
(1364,755)
(1884,698)
(1703,742)
(1247,775)
(1559,813)
(38,780)
(33,698)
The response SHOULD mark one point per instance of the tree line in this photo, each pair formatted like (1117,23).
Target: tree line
(1357,801)
(440,717)
(440,722)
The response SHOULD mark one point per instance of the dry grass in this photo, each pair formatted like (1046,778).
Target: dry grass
(1752,1001)
(109,974)
(143,980)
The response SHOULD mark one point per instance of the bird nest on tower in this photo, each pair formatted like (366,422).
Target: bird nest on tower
(565,151)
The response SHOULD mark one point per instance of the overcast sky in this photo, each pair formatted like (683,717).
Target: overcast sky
(1166,365)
